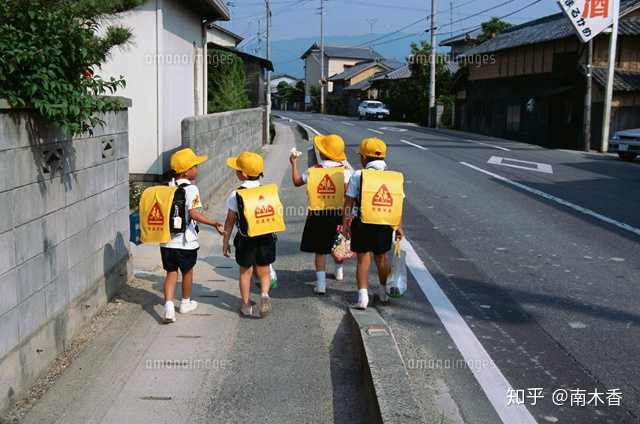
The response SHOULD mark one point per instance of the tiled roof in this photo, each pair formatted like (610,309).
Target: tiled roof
(402,72)
(623,80)
(361,86)
(629,26)
(549,28)
(344,52)
(465,36)
(361,67)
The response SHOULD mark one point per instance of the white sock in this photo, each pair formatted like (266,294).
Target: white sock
(186,299)
(169,303)
(321,277)
(265,294)
(363,294)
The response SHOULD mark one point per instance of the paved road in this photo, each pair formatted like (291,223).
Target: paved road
(537,250)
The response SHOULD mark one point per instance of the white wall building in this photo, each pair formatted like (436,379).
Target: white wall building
(166,72)
(278,78)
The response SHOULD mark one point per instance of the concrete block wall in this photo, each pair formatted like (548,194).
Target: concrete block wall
(64,231)
(219,136)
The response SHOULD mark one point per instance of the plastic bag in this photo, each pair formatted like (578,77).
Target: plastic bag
(341,247)
(397,281)
(273,275)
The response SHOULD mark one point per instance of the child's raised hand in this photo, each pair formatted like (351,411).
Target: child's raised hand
(226,250)
(219,228)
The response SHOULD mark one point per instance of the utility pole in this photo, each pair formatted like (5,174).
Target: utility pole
(588,98)
(608,99)
(322,70)
(268,84)
(432,84)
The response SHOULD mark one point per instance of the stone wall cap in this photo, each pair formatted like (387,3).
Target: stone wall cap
(222,114)
(124,101)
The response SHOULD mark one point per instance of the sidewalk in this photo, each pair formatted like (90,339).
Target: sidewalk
(297,365)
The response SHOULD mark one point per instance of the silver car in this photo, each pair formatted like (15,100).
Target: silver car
(626,143)
(372,109)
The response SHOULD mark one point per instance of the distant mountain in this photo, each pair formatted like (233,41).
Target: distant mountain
(286,53)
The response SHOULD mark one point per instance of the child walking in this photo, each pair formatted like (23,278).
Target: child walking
(253,254)
(181,253)
(326,187)
(367,238)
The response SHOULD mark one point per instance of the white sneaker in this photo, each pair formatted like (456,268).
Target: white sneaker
(186,307)
(264,306)
(320,288)
(169,313)
(339,273)
(361,304)
(246,311)
(382,295)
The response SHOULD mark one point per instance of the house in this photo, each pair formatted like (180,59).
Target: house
(462,42)
(353,85)
(278,78)
(165,74)
(222,37)
(336,60)
(528,83)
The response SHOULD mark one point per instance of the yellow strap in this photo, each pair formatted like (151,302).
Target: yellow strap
(397,249)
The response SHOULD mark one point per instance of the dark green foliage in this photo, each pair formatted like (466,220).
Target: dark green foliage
(227,82)
(408,99)
(492,28)
(49,51)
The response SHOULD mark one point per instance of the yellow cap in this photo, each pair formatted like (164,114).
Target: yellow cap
(183,160)
(331,146)
(249,163)
(373,148)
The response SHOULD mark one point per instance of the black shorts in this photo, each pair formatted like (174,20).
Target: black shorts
(367,238)
(320,232)
(252,251)
(178,259)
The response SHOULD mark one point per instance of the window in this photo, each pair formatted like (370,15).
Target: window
(513,118)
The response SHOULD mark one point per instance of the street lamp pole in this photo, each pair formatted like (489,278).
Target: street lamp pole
(608,98)
(432,83)
(322,70)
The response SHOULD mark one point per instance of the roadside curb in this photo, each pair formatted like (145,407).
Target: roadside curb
(386,377)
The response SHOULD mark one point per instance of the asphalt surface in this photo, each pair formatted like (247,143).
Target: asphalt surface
(542,262)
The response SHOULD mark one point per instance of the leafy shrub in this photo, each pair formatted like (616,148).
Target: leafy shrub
(227,82)
(49,53)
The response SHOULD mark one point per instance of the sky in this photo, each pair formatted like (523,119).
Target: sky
(294,19)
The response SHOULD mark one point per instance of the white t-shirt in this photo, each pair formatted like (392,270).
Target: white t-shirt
(232,200)
(189,239)
(353,190)
(331,164)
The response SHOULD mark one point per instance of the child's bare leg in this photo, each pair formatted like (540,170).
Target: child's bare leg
(321,263)
(187,284)
(170,285)
(384,268)
(264,276)
(362,272)
(245,284)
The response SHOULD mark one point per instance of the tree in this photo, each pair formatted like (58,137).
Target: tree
(50,52)
(409,99)
(492,28)
(227,82)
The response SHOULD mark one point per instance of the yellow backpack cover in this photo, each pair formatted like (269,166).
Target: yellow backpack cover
(382,197)
(325,188)
(155,211)
(261,210)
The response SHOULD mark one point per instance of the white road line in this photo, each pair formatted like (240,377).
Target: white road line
(544,168)
(313,130)
(414,145)
(349,124)
(375,131)
(563,202)
(491,379)
(489,145)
